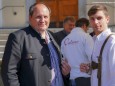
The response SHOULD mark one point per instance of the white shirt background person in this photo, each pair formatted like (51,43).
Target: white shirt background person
(77,48)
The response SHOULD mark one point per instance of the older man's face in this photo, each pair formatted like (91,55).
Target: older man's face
(41,18)
(68,26)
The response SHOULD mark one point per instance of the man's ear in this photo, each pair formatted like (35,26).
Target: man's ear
(108,19)
(83,26)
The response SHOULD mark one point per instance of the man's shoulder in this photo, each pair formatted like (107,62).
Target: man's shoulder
(20,34)
(21,31)
(112,36)
(67,37)
(59,32)
(52,33)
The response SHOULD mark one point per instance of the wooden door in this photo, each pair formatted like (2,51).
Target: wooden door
(60,9)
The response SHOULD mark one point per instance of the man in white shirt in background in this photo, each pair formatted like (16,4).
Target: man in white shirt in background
(77,48)
(99,19)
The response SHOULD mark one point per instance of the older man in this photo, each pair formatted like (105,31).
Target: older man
(31,57)
(68,25)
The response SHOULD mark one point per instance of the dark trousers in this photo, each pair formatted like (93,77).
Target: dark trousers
(82,81)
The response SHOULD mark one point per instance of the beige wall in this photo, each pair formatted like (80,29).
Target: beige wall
(11,20)
(0,13)
(28,4)
(82,8)
(21,19)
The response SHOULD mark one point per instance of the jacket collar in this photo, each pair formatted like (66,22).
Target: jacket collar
(35,31)
(77,29)
(66,33)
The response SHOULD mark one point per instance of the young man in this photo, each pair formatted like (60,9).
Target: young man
(99,19)
(31,57)
(77,48)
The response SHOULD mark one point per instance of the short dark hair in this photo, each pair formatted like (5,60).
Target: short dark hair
(69,18)
(82,21)
(32,8)
(96,8)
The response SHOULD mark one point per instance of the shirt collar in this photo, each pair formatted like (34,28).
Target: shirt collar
(47,38)
(103,35)
(77,29)
(39,32)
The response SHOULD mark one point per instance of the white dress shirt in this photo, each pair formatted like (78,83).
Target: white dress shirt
(77,48)
(108,59)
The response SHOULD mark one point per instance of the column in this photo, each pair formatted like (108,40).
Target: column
(82,8)
(28,4)
(1,14)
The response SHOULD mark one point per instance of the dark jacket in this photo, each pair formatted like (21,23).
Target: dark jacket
(59,36)
(26,60)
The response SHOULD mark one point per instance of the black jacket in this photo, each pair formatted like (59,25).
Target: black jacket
(26,60)
(59,36)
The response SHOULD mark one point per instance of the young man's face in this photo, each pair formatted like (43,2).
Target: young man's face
(99,22)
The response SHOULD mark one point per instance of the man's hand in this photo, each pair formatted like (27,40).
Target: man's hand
(84,67)
(65,67)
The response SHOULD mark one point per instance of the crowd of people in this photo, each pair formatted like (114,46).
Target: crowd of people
(35,56)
